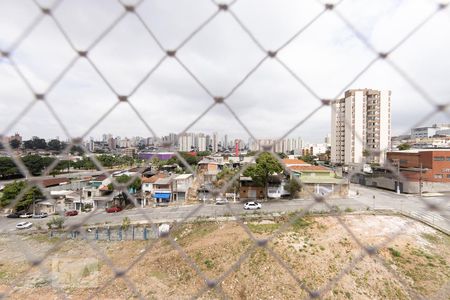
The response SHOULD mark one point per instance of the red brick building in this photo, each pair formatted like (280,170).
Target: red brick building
(434,163)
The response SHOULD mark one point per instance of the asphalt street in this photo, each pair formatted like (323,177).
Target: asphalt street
(360,199)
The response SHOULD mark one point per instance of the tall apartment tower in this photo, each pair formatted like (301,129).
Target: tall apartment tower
(361,120)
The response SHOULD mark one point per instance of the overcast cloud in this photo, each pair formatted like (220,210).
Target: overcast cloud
(327,57)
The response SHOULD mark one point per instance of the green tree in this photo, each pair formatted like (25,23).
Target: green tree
(266,165)
(293,187)
(15,144)
(54,145)
(404,146)
(310,159)
(11,191)
(8,168)
(39,143)
(28,144)
(226,175)
(125,179)
(76,150)
(282,155)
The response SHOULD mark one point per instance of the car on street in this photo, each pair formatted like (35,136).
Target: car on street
(252,205)
(113,209)
(221,200)
(71,213)
(26,215)
(24,225)
(40,215)
(16,214)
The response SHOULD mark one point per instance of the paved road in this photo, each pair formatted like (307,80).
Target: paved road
(360,199)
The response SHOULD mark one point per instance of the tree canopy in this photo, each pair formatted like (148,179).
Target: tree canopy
(265,166)
(11,191)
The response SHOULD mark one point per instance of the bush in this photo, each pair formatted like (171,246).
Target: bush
(86,207)
(126,223)
(57,222)
(394,252)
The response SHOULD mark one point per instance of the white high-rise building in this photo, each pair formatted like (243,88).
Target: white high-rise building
(201,142)
(215,142)
(186,142)
(360,121)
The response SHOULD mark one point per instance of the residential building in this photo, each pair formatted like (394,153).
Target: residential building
(163,190)
(186,142)
(421,170)
(97,193)
(201,142)
(359,121)
(430,131)
(181,185)
(320,180)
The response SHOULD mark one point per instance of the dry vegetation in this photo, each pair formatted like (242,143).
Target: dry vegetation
(316,249)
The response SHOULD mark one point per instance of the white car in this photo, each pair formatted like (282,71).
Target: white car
(26,215)
(24,225)
(252,205)
(40,215)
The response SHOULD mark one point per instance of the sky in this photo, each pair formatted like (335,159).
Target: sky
(326,57)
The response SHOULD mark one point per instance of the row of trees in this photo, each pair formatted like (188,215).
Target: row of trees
(37,143)
(187,156)
(36,164)
(12,190)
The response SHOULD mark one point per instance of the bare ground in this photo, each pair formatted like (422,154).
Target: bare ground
(313,254)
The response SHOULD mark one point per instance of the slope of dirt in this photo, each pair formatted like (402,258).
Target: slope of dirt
(312,254)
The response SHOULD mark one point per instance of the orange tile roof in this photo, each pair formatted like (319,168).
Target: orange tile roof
(288,161)
(153,179)
(310,168)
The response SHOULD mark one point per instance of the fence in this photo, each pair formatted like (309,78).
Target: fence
(22,60)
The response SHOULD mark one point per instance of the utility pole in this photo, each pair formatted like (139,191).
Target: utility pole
(398,176)
(420,181)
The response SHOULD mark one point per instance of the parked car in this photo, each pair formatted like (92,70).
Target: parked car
(114,209)
(24,225)
(252,205)
(26,215)
(71,213)
(221,200)
(15,214)
(40,215)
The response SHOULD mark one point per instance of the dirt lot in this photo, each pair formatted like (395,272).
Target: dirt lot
(315,249)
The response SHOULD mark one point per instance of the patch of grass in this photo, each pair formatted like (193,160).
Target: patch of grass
(263,228)
(348,209)
(301,223)
(394,252)
(432,238)
(3,274)
(44,238)
(209,263)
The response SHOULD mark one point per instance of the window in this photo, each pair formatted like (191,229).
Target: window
(439,158)
(448,158)
(438,176)
(448,175)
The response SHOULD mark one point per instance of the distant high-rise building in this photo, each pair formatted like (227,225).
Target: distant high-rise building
(186,142)
(360,121)
(201,142)
(215,142)
(225,142)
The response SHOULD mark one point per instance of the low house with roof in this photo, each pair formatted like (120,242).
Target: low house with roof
(147,187)
(97,192)
(163,189)
(209,167)
(320,180)
(181,185)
